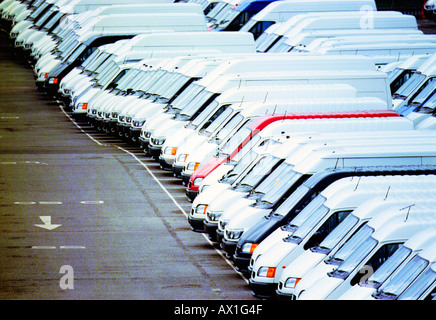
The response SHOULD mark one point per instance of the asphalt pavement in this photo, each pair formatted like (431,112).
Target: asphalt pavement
(85,216)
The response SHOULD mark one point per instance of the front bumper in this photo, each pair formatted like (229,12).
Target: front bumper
(229,246)
(196,224)
(263,290)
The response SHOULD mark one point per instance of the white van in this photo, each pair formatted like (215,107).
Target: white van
(281,11)
(28,36)
(367,83)
(420,243)
(234,100)
(295,127)
(304,39)
(320,217)
(234,72)
(305,23)
(250,133)
(317,261)
(235,116)
(164,46)
(110,28)
(246,212)
(415,281)
(379,243)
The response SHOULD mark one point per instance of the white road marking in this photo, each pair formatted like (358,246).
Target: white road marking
(161,186)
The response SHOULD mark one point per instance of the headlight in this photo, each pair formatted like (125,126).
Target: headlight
(213,215)
(83,106)
(201,209)
(267,272)
(182,157)
(114,115)
(138,123)
(192,166)
(291,282)
(234,234)
(197,182)
(170,150)
(157,141)
(249,247)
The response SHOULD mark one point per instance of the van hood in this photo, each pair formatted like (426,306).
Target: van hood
(269,242)
(321,289)
(303,264)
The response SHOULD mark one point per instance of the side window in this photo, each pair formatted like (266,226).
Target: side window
(260,27)
(99,42)
(376,261)
(325,229)
(215,115)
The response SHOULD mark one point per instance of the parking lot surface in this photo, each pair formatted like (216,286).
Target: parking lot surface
(84,216)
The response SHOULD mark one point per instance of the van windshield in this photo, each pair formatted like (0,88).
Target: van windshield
(337,234)
(400,280)
(428,106)
(233,174)
(427,90)
(230,145)
(278,182)
(350,246)
(387,268)
(356,257)
(258,172)
(415,291)
(187,95)
(211,128)
(407,89)
(170,89)
(313,206)
(193,106)
(293,200)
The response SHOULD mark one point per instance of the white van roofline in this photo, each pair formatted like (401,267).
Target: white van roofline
(295,91)
(121,23)
(333,33)
(108,7)
(309,105)
(281,8)
(301,126)
(295,151)
(329,20)
(341,156)
(341,193)
(402,226)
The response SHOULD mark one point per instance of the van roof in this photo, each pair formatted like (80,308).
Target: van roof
(332,33)
(264,93)
(398,154)
(352,20)
(282,7)
(344,190)
(189,38)
(313,104)
(407,222)
(278,121)
(142,23)
(317,62)
(424,240)
(385,207)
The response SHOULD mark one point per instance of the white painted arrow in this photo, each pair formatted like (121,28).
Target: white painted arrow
(47,223)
